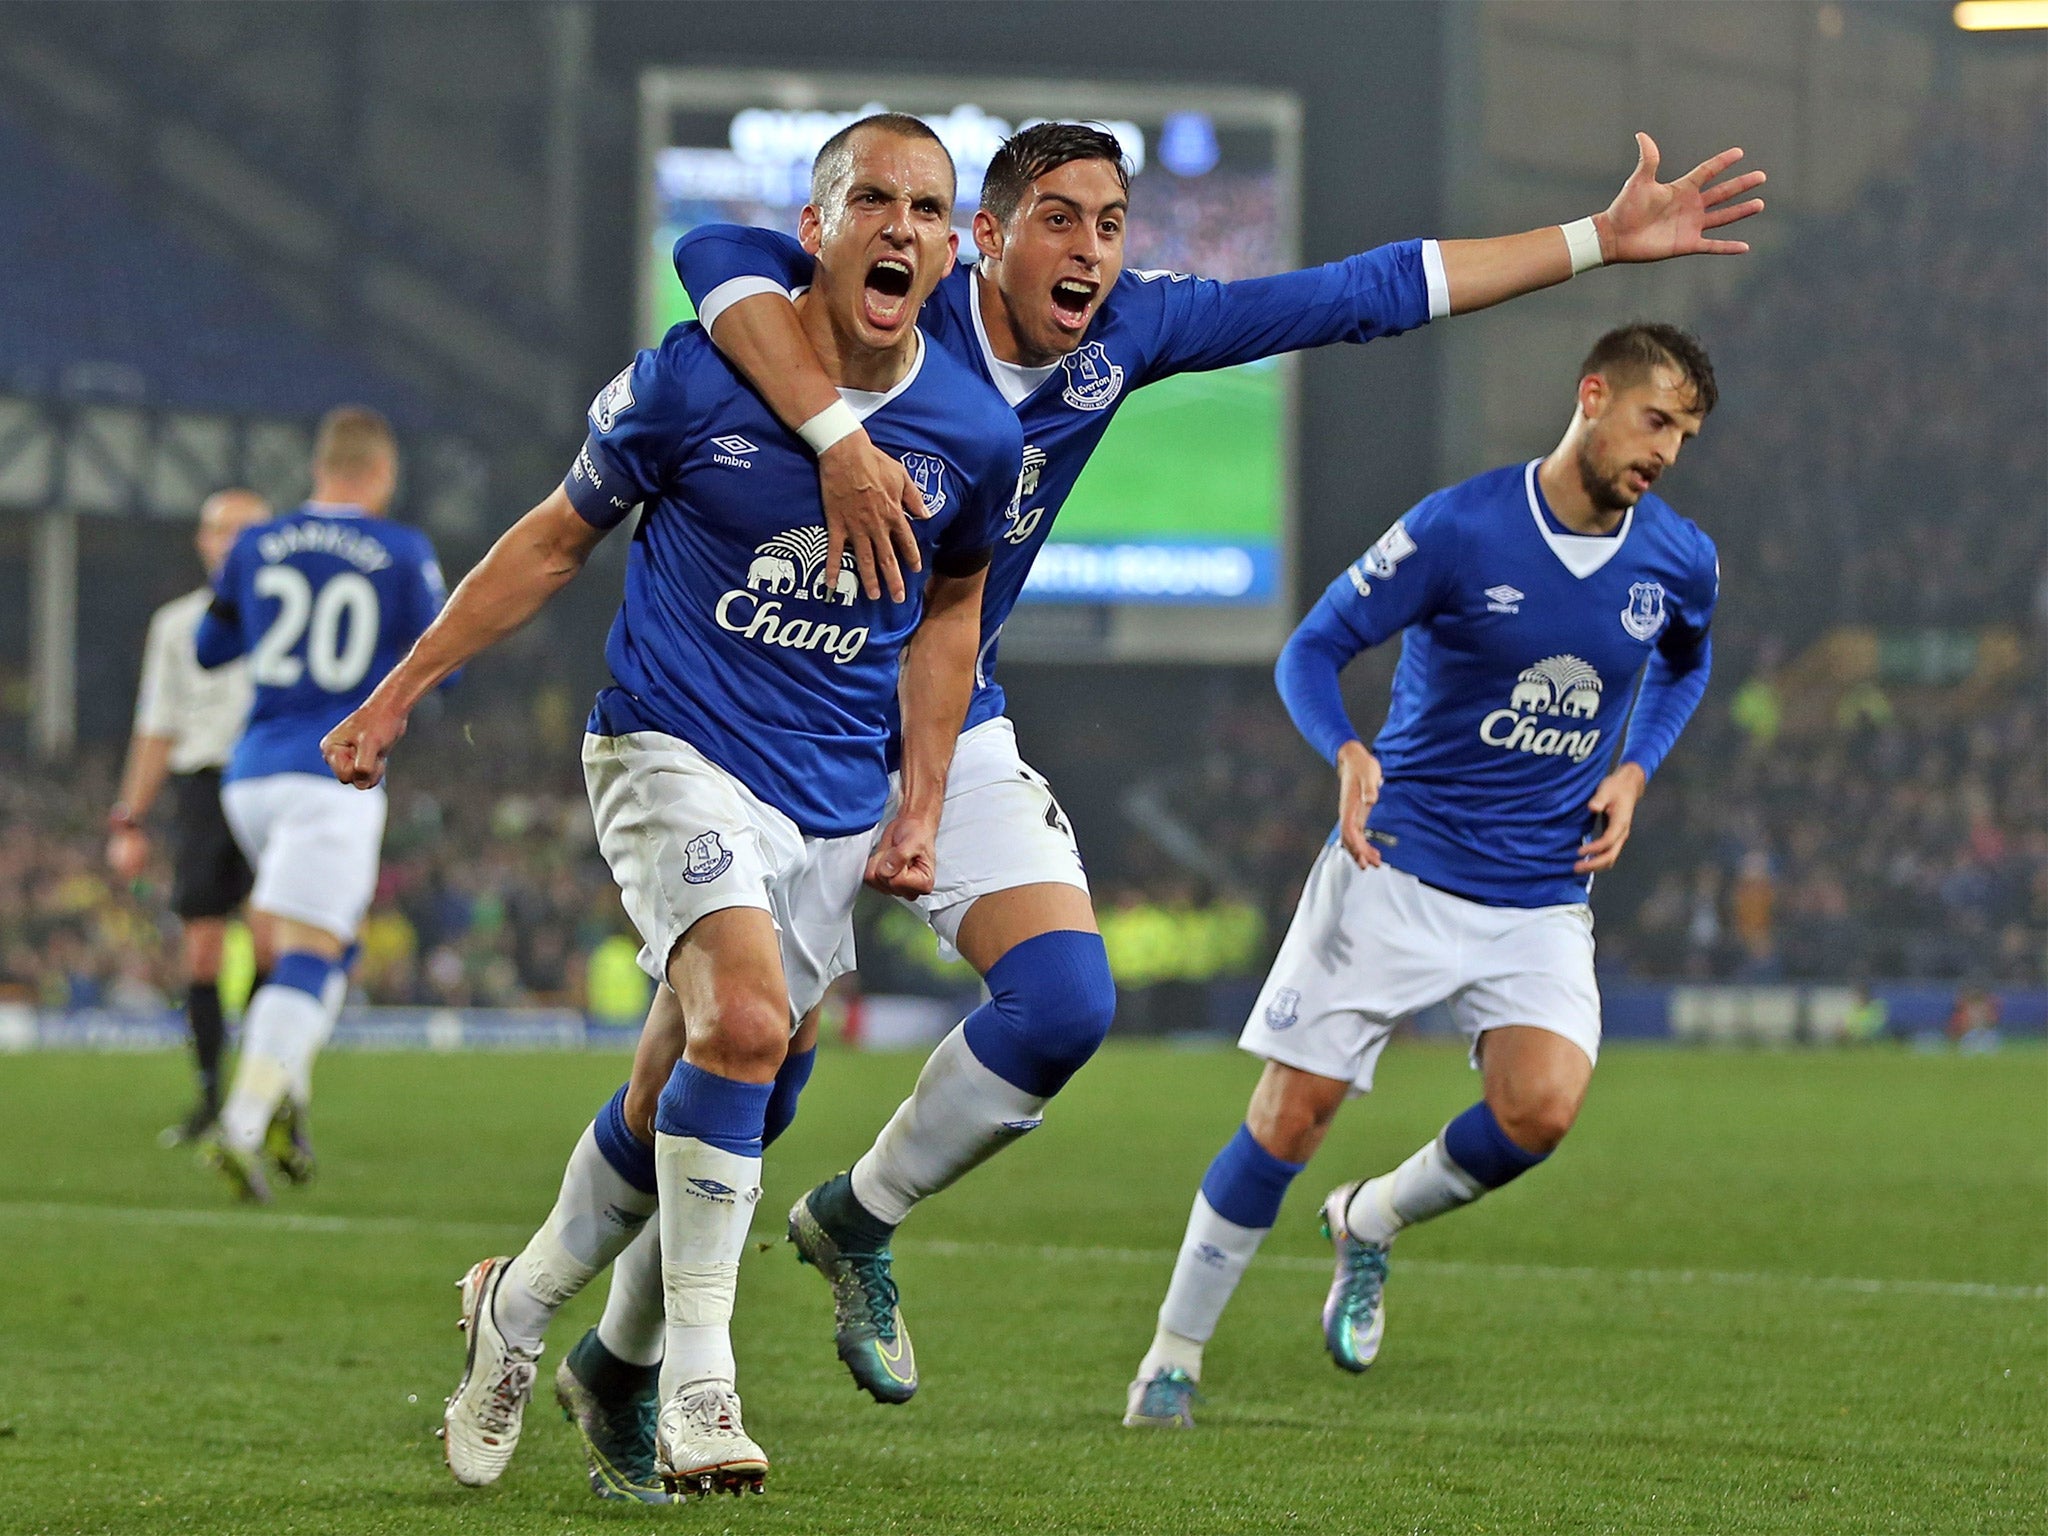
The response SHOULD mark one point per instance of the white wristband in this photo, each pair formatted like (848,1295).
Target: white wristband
(1583,241)
(829,426)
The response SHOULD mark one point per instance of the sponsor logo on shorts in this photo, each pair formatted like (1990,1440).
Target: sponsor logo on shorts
(1561,688)
(705,858)
(1284,1012)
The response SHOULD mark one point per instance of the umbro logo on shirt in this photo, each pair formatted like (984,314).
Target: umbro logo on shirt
(730,447)
(1503,599)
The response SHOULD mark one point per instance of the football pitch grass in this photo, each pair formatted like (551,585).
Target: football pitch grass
(1755,1292)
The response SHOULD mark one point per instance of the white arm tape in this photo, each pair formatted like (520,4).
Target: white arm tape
(1433,277)
(829,426)
(729,293)
(1583,241)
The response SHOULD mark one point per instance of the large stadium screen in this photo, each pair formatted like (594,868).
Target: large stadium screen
(1177,539)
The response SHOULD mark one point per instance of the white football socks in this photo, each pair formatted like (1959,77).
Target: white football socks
(281,1034)
(1213,1257)
(1427,1185)
(634,1326)
(959,1115)
(332,996)
(595,1216)
(708,1196)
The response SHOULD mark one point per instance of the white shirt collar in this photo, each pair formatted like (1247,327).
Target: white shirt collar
(1580,553)
(865,402)
(1013,381)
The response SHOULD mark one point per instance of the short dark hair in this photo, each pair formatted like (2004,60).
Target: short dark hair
(1030,152)
(835,156)
(1629,352)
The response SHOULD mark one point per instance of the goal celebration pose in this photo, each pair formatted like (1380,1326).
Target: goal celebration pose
(1052,319)
(737,771)
(1554,622)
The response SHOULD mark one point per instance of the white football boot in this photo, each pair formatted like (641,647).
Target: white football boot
(480,1426)
(701,1447)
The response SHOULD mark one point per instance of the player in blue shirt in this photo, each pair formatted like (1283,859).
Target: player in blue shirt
(738,768)
(1554,621)
(323,601)
(1052,319)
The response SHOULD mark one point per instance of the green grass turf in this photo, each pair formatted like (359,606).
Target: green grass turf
(279,1372)
(1191,457)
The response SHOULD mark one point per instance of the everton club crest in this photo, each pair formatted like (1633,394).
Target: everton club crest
(929,471)
(705,858)
(1644,615)
(1093,381)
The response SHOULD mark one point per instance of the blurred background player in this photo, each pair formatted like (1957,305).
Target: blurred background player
(1554,621)
(739,769)
(186,721)
(1051,318)
(322,601)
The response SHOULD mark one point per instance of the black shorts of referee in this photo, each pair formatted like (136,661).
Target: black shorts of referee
(209,876)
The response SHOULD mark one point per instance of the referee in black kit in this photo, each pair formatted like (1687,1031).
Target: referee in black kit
(187,720)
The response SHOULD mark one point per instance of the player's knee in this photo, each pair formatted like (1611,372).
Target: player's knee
(1539,1119)
(1051,1002)
(1290,1113)
(745,1035)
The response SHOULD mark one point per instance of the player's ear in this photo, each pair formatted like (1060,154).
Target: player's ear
(810,228)
(1594,396)
(988,235)
(952,253)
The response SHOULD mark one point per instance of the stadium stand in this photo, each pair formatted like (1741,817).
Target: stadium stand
(198,334)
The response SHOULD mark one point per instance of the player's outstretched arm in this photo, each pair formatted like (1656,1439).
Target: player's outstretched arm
(532,560)
(1648,220)
(936,686)
(870,498)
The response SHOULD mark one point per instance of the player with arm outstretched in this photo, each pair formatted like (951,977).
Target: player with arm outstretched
(322,601)
(1554,620)
(738,769)
(1052,319)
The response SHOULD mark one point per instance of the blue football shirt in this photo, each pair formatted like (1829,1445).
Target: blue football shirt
(1521,648)
(323,601)
(1150,326)
(733,636)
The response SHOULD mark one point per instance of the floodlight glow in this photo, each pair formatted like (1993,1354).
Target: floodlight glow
(2001,15)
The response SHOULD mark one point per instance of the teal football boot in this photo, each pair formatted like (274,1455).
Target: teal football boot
(1354,1313)
(1163,1401)
(612,1405)
(836,1237)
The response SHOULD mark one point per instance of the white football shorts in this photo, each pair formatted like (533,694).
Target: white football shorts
(1369,947)
(313,842)
(684,839)
(1000,828)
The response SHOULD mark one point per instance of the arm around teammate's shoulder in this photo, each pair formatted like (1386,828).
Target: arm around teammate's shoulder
(531,561)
